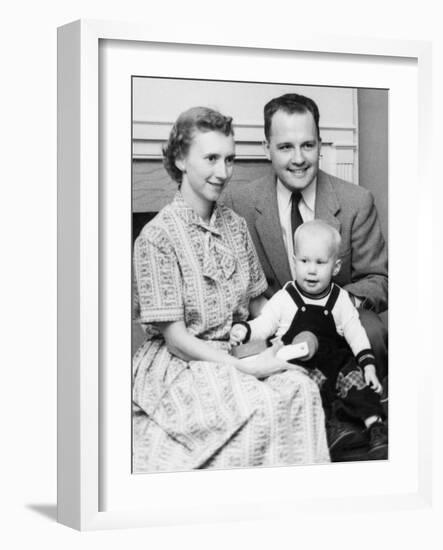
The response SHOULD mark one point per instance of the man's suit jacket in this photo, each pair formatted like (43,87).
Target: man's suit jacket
(347,207)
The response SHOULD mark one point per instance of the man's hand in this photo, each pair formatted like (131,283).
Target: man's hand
(237,334)
(371,379)
(355,300)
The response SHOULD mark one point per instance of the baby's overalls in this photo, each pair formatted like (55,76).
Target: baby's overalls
(342,377)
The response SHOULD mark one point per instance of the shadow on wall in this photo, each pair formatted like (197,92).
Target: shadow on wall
(373,148)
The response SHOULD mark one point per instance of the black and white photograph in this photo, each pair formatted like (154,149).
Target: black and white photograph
(259,274)
(162,385)
(214,216)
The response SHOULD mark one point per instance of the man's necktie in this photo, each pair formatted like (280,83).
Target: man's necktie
(296,218)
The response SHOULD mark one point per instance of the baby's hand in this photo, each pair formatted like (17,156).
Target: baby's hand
(237,334)
(372,380)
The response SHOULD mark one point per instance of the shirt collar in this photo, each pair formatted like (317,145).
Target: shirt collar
(320,296)
(308,194)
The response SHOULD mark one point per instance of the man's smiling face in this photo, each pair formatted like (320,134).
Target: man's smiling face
(294,149)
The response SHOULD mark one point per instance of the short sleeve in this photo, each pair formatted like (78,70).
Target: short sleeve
(257,279)
(158,279)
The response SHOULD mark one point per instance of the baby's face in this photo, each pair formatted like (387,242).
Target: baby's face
(315,262)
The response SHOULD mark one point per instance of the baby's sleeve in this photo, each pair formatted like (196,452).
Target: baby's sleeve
(267,323)
(350,325)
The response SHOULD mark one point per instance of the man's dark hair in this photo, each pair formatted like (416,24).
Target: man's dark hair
(290,103)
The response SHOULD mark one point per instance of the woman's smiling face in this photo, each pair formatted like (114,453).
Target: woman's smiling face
(207,167)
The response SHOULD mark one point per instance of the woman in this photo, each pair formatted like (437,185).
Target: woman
(197,272)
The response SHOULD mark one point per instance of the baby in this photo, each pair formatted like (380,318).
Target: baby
(344,365)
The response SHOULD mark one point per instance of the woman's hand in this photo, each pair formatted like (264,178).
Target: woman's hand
(190,348)
(266,363)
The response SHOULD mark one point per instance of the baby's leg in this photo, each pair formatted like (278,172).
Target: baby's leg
(342,436)
(357,399)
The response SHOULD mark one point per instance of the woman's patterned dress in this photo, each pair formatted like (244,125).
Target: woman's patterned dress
(200,414)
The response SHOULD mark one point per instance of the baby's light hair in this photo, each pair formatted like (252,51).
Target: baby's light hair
(319,226)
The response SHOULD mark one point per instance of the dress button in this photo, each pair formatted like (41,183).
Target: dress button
(326,312)
(303,308)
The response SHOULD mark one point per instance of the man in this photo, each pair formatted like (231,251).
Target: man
(296,190)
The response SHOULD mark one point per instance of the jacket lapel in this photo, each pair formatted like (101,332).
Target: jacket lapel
(267,221)
(267,224)
(326,203)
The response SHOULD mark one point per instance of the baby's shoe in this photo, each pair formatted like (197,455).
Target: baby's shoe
(341,435)
(378,441)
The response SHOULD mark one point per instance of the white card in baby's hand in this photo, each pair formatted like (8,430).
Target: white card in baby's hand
(293,351)
(285,353)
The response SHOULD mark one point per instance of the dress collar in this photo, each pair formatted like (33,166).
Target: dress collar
(190,216)
(219,260)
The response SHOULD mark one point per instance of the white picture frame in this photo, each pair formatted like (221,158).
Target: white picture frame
(80,362)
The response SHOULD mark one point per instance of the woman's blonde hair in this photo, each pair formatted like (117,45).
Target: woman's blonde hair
(201,119)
